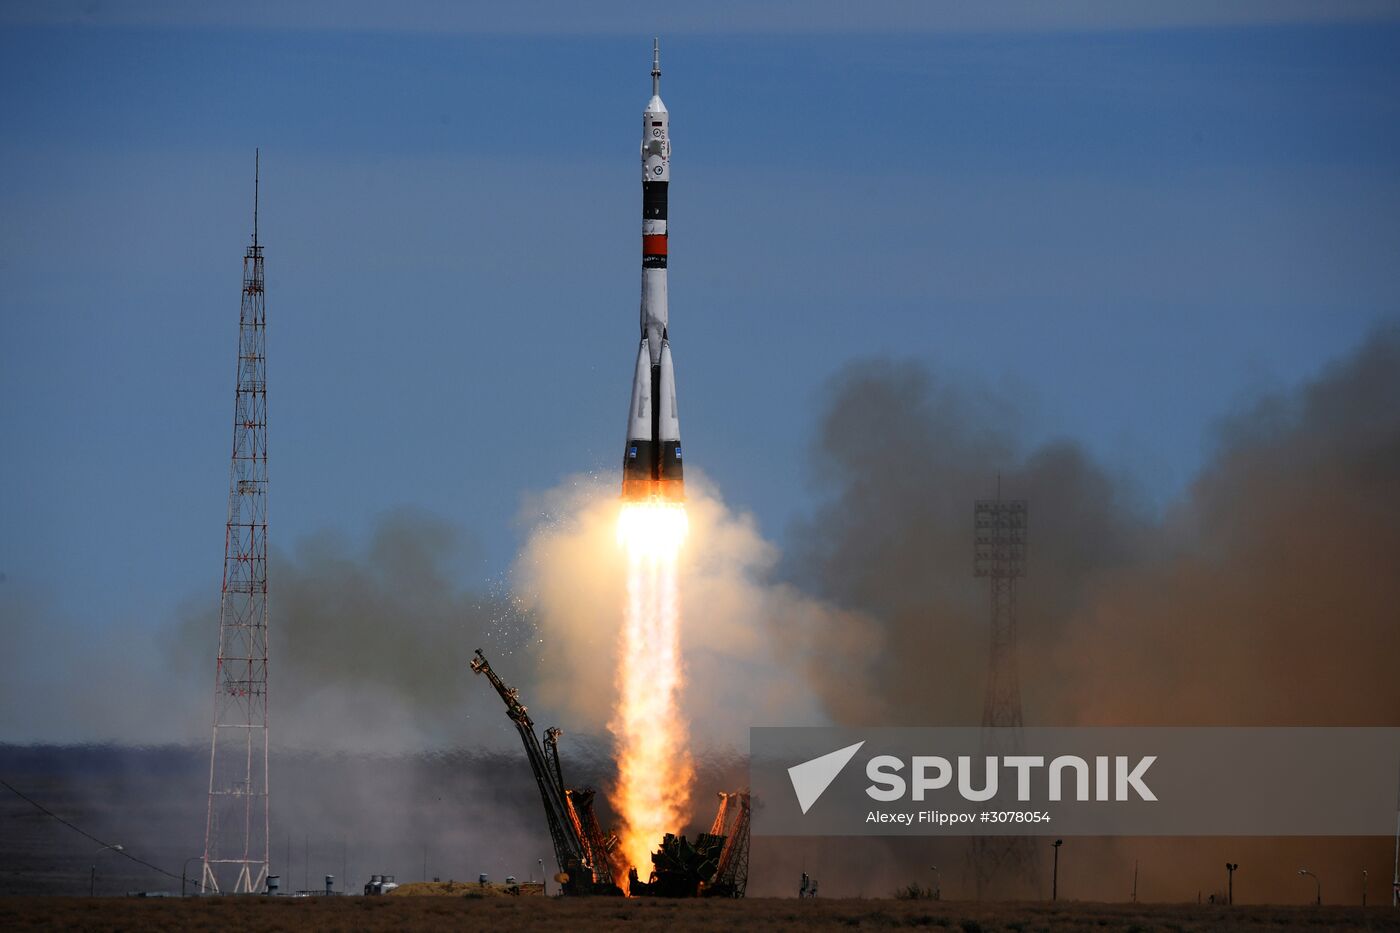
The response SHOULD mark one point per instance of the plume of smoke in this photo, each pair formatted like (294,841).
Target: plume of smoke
(570,578)
(369,645)
(1270,597)
(1266,596)
(373,645)
(900,457)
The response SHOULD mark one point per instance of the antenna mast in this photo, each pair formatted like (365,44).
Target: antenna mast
(236,829)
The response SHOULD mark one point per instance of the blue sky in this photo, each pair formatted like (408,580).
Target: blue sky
(1133,223)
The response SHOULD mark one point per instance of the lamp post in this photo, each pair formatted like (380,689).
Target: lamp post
(938,883)
(1365,881)
(1304,871)
(1055,877)
(92,875)
(1230,872)
(183,869)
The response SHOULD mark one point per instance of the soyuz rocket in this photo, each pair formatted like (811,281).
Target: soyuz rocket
(651,462)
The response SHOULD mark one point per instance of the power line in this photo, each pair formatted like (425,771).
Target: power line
(82,832)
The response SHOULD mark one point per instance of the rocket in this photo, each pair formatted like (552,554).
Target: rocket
(651,462)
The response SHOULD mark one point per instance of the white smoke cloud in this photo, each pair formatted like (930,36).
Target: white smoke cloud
(741,629)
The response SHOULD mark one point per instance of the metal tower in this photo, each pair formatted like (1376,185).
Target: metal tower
(236,830)
(1004,863)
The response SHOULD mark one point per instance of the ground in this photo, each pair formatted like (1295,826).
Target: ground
(502,915)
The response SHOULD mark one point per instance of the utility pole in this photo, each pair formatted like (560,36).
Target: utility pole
(92,876)
(236,828)
(1230,874)
(1135,877)
(1317,880)
(184,870)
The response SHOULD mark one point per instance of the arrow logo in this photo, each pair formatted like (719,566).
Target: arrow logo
(811,778)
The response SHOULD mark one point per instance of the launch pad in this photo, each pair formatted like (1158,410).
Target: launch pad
(716,864)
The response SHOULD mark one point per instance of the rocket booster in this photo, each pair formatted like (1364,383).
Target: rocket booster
(651,463)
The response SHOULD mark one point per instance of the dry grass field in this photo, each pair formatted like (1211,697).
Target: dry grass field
(504,915)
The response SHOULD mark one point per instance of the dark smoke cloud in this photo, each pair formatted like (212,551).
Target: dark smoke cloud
(900,458)
(1266,596)
(370,643)
(1271,596)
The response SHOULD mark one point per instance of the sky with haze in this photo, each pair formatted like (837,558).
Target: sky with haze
(1134,222)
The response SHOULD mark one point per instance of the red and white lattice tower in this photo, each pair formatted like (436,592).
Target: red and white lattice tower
(236,832)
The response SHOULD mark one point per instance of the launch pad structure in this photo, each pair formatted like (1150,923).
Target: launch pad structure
(580,848)
(715,865)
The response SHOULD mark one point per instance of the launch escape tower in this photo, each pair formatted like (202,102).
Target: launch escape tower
(999,554)
(236,828)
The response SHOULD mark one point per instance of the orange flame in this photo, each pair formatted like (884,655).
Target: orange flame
(653,759)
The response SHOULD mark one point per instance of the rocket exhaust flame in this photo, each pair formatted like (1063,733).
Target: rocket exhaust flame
(654,767)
